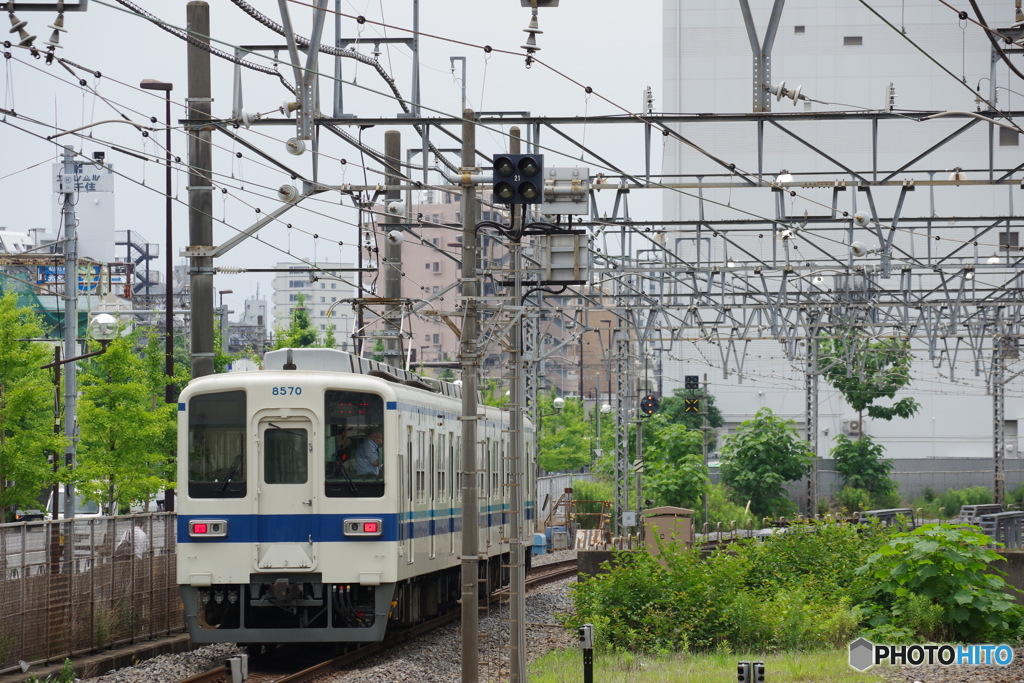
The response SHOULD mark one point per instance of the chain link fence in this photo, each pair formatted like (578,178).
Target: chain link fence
(69,587)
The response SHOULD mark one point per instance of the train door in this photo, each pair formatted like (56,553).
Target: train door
(432,493)
(286,498)
(455,476)
(409,518)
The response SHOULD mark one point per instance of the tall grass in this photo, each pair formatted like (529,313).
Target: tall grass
(566,666)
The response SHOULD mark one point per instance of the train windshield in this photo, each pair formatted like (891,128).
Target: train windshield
(353,444)
(216,445)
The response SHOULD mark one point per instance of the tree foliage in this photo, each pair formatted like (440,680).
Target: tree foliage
(127,432)
(26,408)
(760,457)
(299,333)
(674,409)
(865,372)
(566,437)
(863,465)
(674,469)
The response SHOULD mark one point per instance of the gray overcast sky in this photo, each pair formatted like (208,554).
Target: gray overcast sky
(614,47)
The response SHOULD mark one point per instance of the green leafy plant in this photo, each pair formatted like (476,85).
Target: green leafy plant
(864,372)
(862,464)
(853,500)
(65,675)
(26,408)
(794,591)
(674,469)
(673,408)
(566,437)
(721,509)
(760,457)
(950,568)
(948,503)
(299,333)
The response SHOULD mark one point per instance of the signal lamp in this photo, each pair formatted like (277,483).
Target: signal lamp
(518,178)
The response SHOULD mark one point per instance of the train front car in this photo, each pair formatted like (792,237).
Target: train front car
(288,527)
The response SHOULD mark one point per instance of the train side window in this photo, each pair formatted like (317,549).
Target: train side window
(217,462)
(421,482)
(432,466)
(442,464)
(408,476)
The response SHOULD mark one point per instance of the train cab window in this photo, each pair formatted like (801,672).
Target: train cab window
(216,445)
(354,445)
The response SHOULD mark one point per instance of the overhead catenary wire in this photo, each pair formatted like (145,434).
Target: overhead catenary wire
(763,219)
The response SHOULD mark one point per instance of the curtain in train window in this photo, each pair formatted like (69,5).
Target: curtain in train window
(285,456)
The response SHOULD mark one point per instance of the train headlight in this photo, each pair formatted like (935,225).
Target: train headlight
(363,527)
(208,528)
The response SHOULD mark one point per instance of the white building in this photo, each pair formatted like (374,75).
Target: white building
(843,57)
(327,297)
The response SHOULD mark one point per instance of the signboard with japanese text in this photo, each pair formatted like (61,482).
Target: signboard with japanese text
(86,178)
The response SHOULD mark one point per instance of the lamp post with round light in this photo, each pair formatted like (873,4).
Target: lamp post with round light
(103,328)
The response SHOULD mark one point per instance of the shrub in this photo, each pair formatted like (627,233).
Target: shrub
(951,501)
(937,578)
(886,501)
(722,509)
(853,499)
(796,590)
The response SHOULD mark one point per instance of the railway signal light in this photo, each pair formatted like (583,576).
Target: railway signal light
(691,382)
(649,405)
(518,178)
(743,672)
(691,405)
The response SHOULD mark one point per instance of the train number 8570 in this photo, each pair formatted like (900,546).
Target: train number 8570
(286,391)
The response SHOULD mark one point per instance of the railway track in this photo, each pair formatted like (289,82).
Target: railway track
(538,576)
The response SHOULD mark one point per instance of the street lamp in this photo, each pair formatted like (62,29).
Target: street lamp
(150,84)
(223,312)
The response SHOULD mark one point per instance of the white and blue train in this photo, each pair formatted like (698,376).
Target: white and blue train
(322,503)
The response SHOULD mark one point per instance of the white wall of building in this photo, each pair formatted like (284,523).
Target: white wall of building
(707,68)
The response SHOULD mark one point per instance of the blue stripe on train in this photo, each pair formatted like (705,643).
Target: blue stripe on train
(326,528)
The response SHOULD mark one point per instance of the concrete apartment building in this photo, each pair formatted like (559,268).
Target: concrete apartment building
(327,295)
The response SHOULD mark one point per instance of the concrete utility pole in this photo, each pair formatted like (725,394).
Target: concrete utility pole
(70,325)
(392,251)
(811,397)
(468,355)
(517,460)
(200,190)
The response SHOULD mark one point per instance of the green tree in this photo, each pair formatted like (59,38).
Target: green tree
(300,333)
(127,432)
(26,408)
(865,372)
(674,469)
(862,465)
(760,457)
(329,341)
(565,438)
(674,408)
